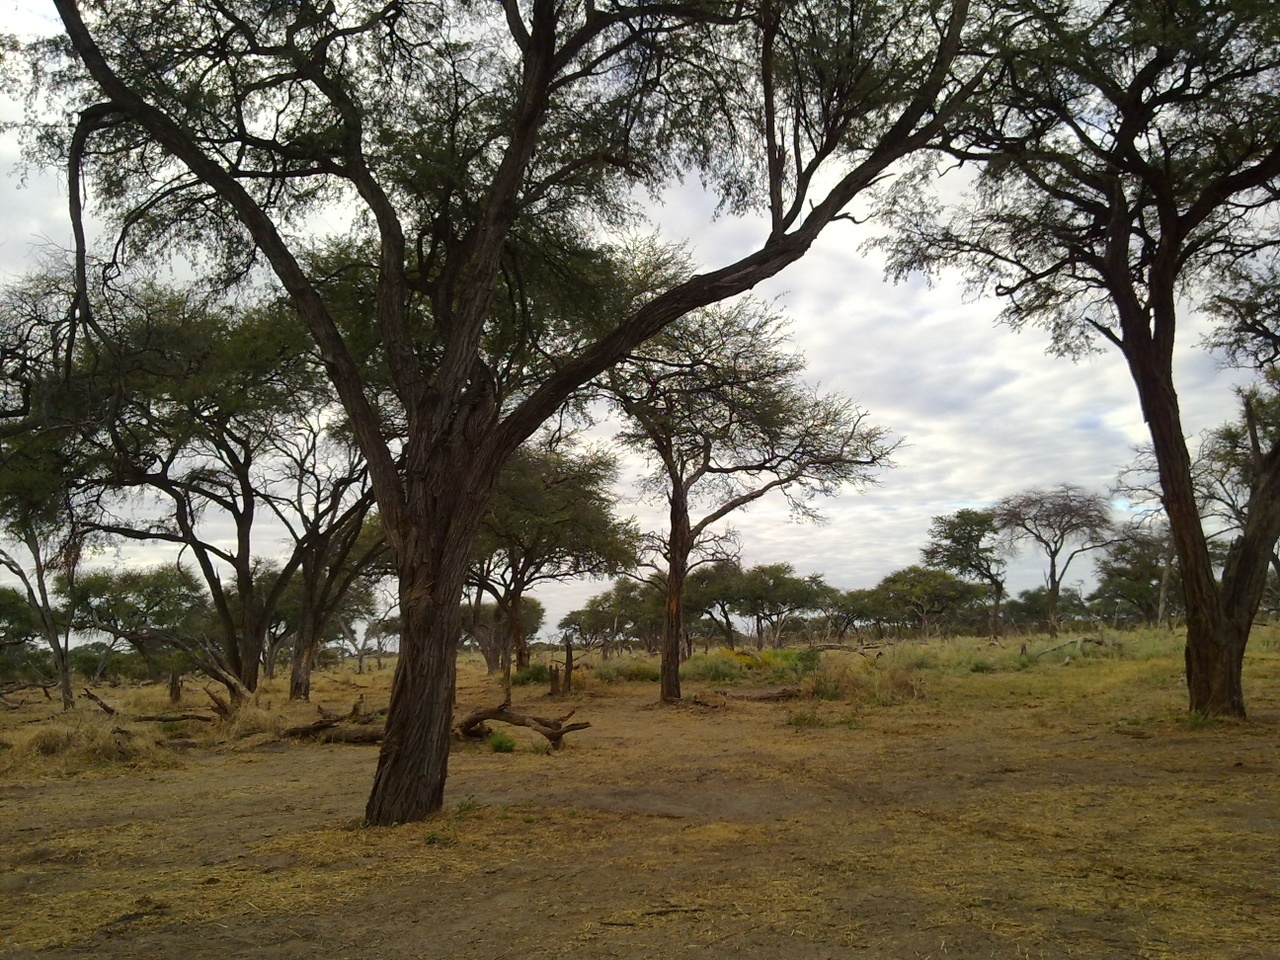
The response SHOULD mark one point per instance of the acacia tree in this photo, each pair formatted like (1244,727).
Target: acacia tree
(1134,574)
(967,544)
(712,591)
(1065,517)
(771,596)
(197,408)
(44,528)
(166,607)
(717,405)
(319,491)
(470,145)
(629,610)
(551,519)
(922,595)
(1130,155)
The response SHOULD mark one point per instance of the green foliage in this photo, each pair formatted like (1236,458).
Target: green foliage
(1196,720)
(628,610)
(769,666)
(966,544)
(534,673)
(500,741)
(719,666)
(922,596)
(631,669)
(802,719)
(552,518)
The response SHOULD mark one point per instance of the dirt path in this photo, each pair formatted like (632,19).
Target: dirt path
(748,830)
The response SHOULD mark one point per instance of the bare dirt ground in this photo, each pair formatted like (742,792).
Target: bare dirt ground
(1062,811)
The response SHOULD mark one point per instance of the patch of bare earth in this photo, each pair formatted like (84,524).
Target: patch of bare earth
(993,823)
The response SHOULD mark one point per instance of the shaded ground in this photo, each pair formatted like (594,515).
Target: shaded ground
(1052,813)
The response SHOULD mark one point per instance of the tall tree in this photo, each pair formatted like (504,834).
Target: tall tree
(967,544)
(472,147)
(717,405)
(1132,154)
(44,517)
(198,405)
(1064,522)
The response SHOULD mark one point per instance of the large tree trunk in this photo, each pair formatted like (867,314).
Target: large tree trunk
(679,546)
(306,650)
(515,630)
(1219,616)
(62,662)
(433,547)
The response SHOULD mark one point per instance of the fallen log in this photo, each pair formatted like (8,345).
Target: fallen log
(110,710)
(1077,642)
(763,694)
(171,717)
(554,729)
(336,730)
(847,648)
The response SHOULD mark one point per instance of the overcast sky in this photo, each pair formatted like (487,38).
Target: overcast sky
(984,411)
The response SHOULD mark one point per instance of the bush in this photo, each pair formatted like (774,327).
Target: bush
(804,718)
(636,669)
(534,673)
(883,681)
(719,666)
(501,742)
(72,743)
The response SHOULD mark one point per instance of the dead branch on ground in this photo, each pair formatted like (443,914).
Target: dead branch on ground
(554,729)
(1077,642)
(110,710)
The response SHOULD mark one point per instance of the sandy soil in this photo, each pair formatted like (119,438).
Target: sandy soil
(996,825)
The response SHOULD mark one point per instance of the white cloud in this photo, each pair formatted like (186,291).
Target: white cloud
(985,412)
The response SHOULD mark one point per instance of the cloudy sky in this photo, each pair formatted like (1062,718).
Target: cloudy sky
(984,411)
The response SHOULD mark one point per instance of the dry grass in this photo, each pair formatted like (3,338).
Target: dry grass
(81,743)
(983,804)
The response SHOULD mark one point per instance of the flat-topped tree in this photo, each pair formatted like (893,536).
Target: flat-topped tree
(469,145)
(1064,522)
(718,406)
(1129,160)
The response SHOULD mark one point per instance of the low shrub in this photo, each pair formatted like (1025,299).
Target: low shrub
(883,681)
(718,666)
(534,673)
(804,718)
(501,742)
(74,743)
(633,669)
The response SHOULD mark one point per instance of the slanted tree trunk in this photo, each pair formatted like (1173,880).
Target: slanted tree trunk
(1219,615)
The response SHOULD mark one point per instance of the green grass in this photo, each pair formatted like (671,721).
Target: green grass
(501,742)
(534,673)
(632,669)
